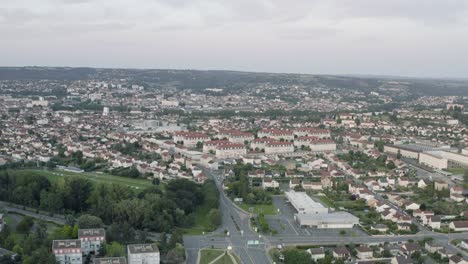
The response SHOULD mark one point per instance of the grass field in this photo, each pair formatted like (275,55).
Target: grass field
(224,260)
(54,175)
(457,170)
(266,209)
(202,222)
(208,255)
(325,200)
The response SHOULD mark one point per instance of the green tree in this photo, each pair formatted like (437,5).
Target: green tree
(294,256)
(89,221)
(215,218)
(24,226)
(77,192)
(114,249)
(398,155)
(199,145)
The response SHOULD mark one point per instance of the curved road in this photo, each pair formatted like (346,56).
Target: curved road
(236,221)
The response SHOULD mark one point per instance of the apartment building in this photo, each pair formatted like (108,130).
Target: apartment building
(67,251)
(143,254)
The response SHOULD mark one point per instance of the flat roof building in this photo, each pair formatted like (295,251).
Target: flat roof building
(91,239)
(143,254)
(67,251)
(304,204)
(116,260)
(331,220)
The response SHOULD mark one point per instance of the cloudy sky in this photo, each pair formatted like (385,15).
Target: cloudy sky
(425,38)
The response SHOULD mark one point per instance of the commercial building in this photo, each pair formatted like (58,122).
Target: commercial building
(327,220)
(304,204)
(67,251)
(143,254)
(314,214)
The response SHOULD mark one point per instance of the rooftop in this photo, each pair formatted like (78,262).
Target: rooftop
(142,248)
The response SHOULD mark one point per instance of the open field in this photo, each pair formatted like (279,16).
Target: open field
(266,209)
(457,170)
(54,175)
(208,255)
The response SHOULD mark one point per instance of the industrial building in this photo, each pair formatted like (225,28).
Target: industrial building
(327,220)
(304,204)
(314,214)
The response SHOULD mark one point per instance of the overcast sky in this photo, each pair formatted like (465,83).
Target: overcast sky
(425,38)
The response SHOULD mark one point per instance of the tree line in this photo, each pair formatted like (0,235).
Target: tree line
(155,208)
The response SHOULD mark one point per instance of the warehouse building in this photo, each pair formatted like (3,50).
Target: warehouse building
(304,204)
(327,220)
(314,214)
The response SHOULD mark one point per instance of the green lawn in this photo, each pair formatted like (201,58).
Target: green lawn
(457,170)
(325,200)
(266,209)
(208,255)
(224,260)
(202,222)
(54,175)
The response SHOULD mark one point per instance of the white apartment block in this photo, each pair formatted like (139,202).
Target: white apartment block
(311,132)
(213,144)
(443,159)
(322,145)
(230,151)
(279,148)
(190,139)
(276,134)
(91,239)
(260,143)
(405,153)
(143,254)
(241,137)
(433,161)
(67,251)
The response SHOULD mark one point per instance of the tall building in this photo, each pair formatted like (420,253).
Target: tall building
(143,254)
(67,251)
(91,239)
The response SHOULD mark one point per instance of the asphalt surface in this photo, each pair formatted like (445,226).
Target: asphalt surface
(236,222)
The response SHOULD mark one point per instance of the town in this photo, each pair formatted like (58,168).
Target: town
(166,166)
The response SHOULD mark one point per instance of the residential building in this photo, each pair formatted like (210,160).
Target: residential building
(112,260)
(91,239)
(143,254)
(279,148)
(230,151)
(67,251)
(459,226)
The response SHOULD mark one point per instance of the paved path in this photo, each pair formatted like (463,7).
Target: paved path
(33,214)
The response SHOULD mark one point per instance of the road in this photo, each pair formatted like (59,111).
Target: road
(236,221)
(47,218)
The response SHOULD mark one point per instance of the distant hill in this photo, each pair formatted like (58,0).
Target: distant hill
(198,80)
